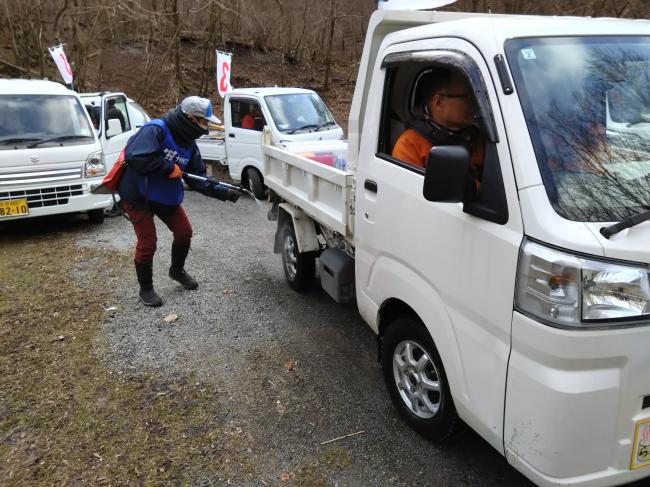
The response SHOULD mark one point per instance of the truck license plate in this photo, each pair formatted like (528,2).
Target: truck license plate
(14,207)
(641,446)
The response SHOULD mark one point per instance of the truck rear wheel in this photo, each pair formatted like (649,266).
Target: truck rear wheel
(254,183)
(96,217)
(416,380)
(299,269)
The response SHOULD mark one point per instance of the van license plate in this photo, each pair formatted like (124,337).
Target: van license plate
(641,446)
(14,207)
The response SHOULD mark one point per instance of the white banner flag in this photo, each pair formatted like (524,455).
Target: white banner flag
(62,63)
(411,4)
(224,60)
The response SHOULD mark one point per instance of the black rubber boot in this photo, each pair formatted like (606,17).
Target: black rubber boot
(177,271)
(145,278)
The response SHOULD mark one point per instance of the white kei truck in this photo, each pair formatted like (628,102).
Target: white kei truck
(292,115)
(523,310)
(50,156)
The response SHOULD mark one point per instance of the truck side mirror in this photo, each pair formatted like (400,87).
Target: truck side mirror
(445,180)
(114,127)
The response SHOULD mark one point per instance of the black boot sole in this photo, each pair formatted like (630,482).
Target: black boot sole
(180,281)
(151,305)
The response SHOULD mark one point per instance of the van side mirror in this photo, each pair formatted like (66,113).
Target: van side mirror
(114,127)
(445,179)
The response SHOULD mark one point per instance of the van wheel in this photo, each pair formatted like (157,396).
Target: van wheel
(416,380)
(299,269)
(96,217)
(254,183)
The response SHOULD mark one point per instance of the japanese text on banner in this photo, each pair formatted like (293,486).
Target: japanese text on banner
(62,63)
(224,60)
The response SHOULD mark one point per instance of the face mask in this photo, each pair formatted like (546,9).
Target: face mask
(200,124)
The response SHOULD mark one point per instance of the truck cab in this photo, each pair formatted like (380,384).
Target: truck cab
(291,114)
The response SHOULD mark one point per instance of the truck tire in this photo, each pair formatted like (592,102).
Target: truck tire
(299,269)
(254,183)
(96,217)
(416,380)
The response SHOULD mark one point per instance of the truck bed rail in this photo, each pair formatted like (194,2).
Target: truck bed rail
(323,192)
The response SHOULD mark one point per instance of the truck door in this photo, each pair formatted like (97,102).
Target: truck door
(244,137)
(453,264)
(114,107)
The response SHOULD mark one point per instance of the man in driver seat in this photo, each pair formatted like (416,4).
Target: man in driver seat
(444,115)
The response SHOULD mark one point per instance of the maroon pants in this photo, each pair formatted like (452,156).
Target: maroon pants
(145,229)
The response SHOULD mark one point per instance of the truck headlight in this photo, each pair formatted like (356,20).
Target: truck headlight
(95,166)
(570,290)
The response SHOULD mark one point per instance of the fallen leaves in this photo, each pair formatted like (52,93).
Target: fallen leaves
(170,318)
(228,290)
(280,408)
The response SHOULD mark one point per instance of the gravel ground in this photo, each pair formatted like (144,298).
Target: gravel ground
(293,370)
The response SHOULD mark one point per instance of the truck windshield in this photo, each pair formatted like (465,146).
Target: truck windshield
(299,113)
(587,107)
(44,120)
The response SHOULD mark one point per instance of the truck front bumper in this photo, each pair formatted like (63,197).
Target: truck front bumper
(575,401)
(54,199)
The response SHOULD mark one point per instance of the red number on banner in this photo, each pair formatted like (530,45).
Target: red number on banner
(65,63)
(225,68)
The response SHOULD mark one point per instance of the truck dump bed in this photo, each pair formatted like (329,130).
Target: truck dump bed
(313,184)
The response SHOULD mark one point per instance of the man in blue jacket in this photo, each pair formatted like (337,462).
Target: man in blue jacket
(156,157)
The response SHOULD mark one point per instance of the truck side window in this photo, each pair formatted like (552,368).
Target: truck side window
(443,103)
(440,109)
(247,115)
(116,108)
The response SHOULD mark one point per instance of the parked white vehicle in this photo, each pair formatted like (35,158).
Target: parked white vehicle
(513,311)
(115,118)
(292,115)
(50,155)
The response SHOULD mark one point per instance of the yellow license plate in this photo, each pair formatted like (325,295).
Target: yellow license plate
(641,445)
(14,207)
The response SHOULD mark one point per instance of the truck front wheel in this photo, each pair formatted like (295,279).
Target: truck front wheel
(96,217)
(416,380)
(254,183)
(299,269)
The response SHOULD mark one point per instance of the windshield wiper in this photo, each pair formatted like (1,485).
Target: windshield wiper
(326,124)
(611,230)
(17,139)
(58,139)
(308,126)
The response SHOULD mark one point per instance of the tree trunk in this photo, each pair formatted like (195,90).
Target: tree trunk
(328,54)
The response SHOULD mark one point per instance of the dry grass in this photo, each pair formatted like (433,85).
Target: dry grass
(65,418)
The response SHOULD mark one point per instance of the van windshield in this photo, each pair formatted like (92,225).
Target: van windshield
(299,113)
(587,107)
(42,121)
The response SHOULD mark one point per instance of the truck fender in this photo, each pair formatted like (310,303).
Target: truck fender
(303,225)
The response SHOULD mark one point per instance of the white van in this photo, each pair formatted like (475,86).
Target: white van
(115,118)
(49,153)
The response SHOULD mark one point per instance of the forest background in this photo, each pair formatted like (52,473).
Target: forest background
(159,51)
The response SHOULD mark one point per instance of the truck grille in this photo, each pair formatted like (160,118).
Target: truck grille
(41,175)
(37,198)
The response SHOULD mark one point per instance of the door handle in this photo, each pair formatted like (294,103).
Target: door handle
(370,185)
(231,135)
